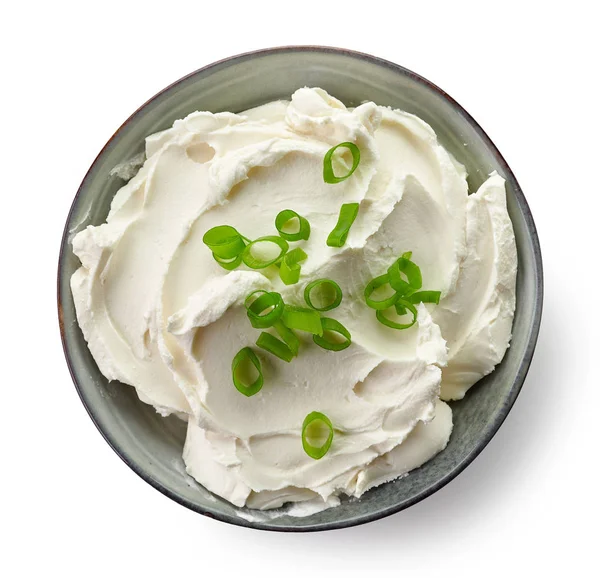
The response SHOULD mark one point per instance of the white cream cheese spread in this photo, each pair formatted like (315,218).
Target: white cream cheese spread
(159,314)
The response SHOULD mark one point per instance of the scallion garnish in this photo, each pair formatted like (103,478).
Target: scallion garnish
(289,271)
(323,286)
(375,284)
(328,174)
(405,267)
(405,279)
(393,324)
(425,297)
(288,336)
(224,241)
(229,264)
(331,342)
(316,421)
(284,218)
(302,319)
(240,366)
(258,303)
(338,236)
(285,348)
(255,262)
(275,346)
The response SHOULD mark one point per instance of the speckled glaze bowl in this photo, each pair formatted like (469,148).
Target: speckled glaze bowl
(152,445)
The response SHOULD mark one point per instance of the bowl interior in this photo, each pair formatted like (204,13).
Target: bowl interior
(152,445)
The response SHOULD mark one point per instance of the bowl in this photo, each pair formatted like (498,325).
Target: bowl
(152,445)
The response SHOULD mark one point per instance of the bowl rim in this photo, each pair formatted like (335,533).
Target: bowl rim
(521,373)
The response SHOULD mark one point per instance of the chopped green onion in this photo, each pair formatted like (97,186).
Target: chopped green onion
(244,356)
(229,264)
(284,217)
(288,336)
(400,310)
(302,319)
(330,342)
(425,297)
(404,277)
(338,236)
(260,301)
(375,284)
(410,270)
(328,174)
(314,419)
(393,324)
(224,241)
(256,262)
(290,268)
(286,349)
(275,346)
(324,285)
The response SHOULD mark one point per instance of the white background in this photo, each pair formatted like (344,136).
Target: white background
(73,71)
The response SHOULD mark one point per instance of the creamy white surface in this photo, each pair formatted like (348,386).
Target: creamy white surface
(159,314)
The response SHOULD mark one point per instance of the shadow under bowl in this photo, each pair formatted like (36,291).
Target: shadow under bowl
(152,445)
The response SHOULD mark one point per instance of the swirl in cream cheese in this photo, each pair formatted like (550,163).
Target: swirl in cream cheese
(159,314)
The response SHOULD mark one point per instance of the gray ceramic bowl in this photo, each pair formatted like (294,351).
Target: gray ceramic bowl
(150,444)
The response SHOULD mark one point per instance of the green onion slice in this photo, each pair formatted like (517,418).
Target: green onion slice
(375,284)
(324,286)
(302,319)
(285,348)
(425,297)
(240,366)
(260,263)
(275,346)
(229,264)
(288,336)
(400,310)
(290,268)
(405,267)
(328,174)
(312,421)
(338,236)
(287,215)
(264,308)
(224,241)
(395,325)
(331,342)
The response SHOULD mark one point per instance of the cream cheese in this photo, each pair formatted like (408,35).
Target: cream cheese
(159,313)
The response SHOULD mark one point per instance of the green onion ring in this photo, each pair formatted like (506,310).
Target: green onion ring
(400,310)
(246,354)
(412,272)
(288,336)
(302,319)
(319,283)
(285,217)
(258,302)
(338,236)
(376,284)
(256,263)
(224,241)
(290,268)
(389,323)
(330,324)
(229,264)
(328,174)
(275,346)
(425,297)
(316,452)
